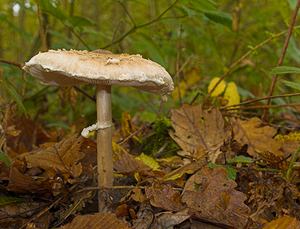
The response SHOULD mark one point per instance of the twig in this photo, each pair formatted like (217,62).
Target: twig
(119,187)
(262,107)
(260,99)
(18,65)
(128,14)
(248,53)
(42,212)
(85,94)
(78,37)
(15,64)
(282,55)
(136,27)
(132,135)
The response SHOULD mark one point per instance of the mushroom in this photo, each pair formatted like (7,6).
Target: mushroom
(104,69)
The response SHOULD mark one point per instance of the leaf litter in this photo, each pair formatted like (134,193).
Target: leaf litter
(49,181)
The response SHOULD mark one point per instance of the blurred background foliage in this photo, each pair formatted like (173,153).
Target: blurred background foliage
(195,40)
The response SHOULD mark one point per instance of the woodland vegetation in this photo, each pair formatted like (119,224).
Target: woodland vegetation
(222,151)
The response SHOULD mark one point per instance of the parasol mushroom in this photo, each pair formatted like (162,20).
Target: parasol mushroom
(103,69)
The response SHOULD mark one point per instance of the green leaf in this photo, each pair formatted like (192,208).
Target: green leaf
(285,70)
(77,21)
(240,159)
(293,85)
(49,8)
(209,9)
(14,94)
(219,17)
(212,165)
(5,159)
(231,172)
(5,200)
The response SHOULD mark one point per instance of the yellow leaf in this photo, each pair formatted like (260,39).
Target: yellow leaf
(190,79)
(149,161)
(231,94)
(179,90)
(285,222)
(219,89)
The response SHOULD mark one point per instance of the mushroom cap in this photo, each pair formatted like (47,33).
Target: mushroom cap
(72,67)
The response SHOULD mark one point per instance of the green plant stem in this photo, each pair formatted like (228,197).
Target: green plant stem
(282,55)
(136,27)
(15,64)
(248,53)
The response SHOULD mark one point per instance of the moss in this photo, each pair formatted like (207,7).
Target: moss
(158,142)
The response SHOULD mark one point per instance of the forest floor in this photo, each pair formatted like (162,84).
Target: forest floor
(205,167)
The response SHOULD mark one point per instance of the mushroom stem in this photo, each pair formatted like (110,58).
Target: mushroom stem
(104,143)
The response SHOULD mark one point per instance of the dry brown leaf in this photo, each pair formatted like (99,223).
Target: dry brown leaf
(22,133)
(19,182)
(137,195)
(258,137)
(98,220)
(284,222)
(16,215)
(62,157)
(186,169)
(211,195)
(35,171)
(127,164)
(164,196)
(202,225)
(145,217)
(169,219)
(198,132)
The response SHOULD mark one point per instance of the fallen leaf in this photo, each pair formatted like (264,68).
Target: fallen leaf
(202,225)
(127,164)
(63,157)
(149,161)
(258,137)
(170,219)
(284,222)
(164,196)
(145,217)
(47,168)
(22,133)
(186,169)
(198,132)
(21,183)
(98,220)
(210,195)
(14,215)
(137,195)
